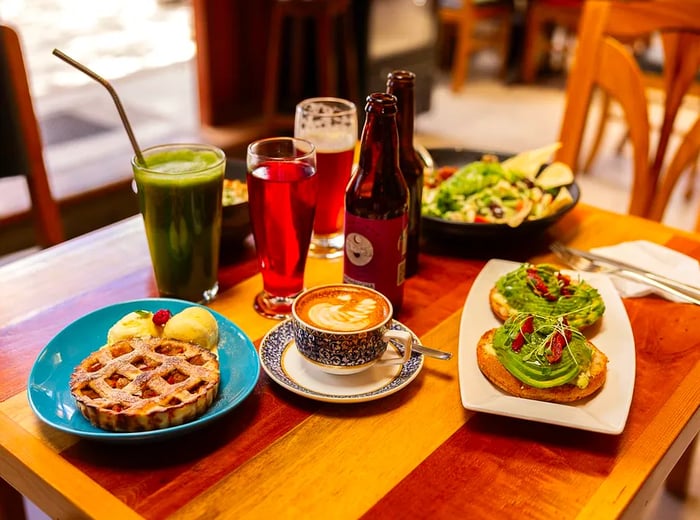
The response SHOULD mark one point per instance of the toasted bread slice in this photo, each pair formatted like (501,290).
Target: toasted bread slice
(495,372)
(499,304)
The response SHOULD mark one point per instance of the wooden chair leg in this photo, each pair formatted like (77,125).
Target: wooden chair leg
(504,36)
(11,503)
(47,216)
(677,480)
(621,143)
(462,55)
(531,47)
(692,176)
(600,131)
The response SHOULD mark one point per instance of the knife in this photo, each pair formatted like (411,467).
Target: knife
(683,287)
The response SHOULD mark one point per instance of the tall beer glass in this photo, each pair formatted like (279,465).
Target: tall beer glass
(331,124)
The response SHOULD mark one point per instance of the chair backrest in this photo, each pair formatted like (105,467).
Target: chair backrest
(540,15)
(466,15)
(21,151)
(603,61)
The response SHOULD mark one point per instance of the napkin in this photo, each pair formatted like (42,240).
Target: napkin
(655,259)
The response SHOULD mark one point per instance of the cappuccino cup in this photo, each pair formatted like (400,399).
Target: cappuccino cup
(344,328)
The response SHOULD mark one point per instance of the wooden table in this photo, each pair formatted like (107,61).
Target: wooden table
(416,453)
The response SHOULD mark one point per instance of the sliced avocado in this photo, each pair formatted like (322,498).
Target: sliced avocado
(530,364)
(582,307)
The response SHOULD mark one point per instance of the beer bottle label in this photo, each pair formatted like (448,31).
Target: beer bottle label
(375,254)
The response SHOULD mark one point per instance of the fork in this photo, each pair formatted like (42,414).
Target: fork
(583,264)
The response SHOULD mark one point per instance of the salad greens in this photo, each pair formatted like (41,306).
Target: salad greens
(487,192)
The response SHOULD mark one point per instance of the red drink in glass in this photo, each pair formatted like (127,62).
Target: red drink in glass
(334,167)
(282,198)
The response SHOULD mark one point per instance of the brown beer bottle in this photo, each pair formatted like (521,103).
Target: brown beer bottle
(401,84)
(376,206)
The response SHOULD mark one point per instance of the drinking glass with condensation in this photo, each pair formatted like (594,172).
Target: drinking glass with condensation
(180,190)
(282,189)
(331,124)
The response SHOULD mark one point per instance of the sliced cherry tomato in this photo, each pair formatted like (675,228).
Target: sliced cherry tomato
(526,328)
(556,347)
(538,286)
(565,284)
(445,172)
(518,342)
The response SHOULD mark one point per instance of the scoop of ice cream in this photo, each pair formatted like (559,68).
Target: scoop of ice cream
(194,325)
(137,324)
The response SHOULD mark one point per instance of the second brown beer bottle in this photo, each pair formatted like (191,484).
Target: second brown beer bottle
(401,83)
(376,206)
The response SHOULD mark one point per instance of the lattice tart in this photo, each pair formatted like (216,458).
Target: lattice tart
(139,384)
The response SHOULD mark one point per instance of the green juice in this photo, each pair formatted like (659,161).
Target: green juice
(180,191)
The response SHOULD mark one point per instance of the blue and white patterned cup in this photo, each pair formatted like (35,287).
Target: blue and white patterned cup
(344,328)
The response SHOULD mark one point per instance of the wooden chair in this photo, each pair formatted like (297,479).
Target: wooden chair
(685,157)
(240,51)
(540,17)
(466,19)
(605,62)
(324,14)
(654,81)
(21,151)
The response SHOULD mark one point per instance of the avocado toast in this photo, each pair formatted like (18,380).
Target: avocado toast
(543,290)
(541,357)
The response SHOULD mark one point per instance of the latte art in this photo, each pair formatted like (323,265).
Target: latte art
(342,308)
(348,315)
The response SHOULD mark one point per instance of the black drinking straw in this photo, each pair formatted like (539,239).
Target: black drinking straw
(113,93)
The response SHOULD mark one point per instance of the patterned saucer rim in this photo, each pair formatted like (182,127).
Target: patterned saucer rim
(276,342)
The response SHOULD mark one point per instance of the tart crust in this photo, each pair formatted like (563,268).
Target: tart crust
(140,384)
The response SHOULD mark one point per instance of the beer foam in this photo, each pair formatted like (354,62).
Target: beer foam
(342,310)
(332,141)
(331,127)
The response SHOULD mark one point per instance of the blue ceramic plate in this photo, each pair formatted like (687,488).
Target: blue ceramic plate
(49,392)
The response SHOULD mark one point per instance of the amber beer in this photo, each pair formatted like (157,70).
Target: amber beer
(331,125)
(333,167)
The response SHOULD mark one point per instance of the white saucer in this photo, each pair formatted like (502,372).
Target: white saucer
(282,361)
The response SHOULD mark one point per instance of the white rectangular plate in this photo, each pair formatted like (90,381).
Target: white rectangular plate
(604,412)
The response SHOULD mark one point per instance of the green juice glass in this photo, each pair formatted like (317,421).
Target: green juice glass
(180,189)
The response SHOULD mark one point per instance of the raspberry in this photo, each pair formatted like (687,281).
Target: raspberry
(161,317)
